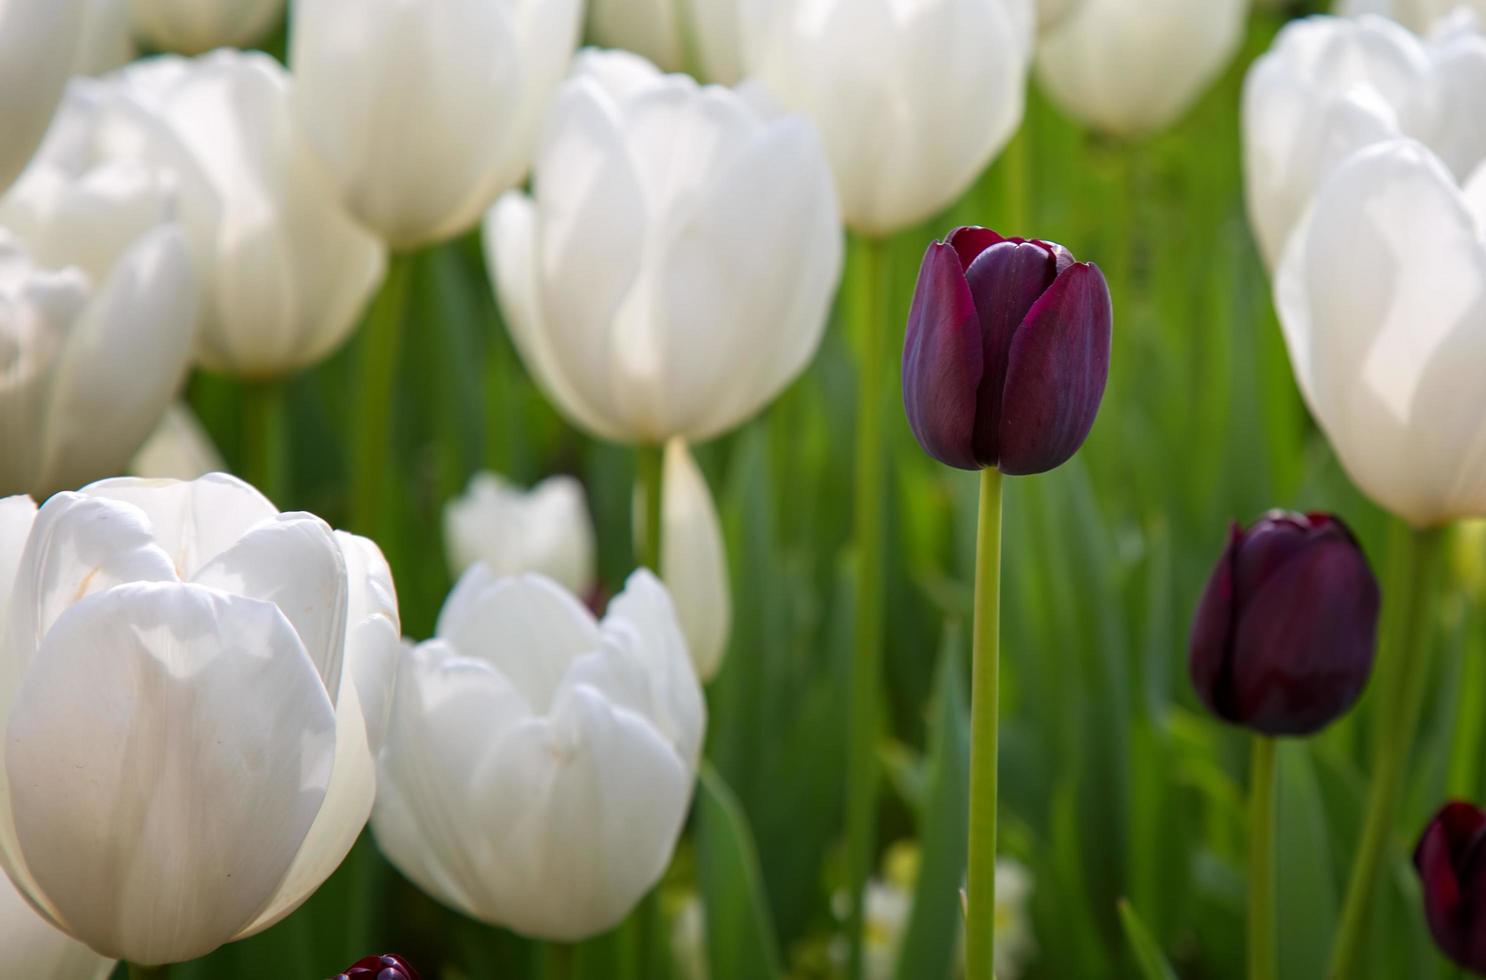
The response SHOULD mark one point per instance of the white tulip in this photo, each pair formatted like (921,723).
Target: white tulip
(670,33)
(423,111)
(1130,67)
(693,560)
(178,449)
(913,100)
(1417,15)
(195,26)
(546,530)
(1331,86)
(38,40)
(35,948)
(1382,296)
(287,271)
(97,301)
(107,38)
(675,268)
(186,756)
(539,764)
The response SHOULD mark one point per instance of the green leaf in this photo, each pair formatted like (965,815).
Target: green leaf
(1148,955)
(740,936)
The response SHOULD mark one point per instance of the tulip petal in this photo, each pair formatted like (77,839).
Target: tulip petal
(694,560)
(1451,860)
(35,948)
(1056,371)
(17,515)
(943,360)
(201,740)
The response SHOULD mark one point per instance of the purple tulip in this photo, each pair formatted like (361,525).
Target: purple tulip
(1451,860)
(1283,638)
(386,967)
(1007,352)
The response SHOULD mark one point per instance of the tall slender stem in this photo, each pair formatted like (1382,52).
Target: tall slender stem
(1263,947)
(985,712)
(381,348)
(648,467)
(263,450)
(558,962)
(1403,675)
(137,972)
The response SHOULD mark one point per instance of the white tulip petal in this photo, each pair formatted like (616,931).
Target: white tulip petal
(17,514)
(373,638)
(37,42)
(107,38)
(37,949)
(202,741)
(546,530)
(178,449)
(694,560)
(195,26)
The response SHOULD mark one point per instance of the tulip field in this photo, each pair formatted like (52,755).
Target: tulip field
(964,489)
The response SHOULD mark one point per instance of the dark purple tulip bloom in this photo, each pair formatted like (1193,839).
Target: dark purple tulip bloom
(1284,636)
(1451,860)
(1007,352)
(387,967)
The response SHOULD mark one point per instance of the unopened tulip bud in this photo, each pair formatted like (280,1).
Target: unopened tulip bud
(388,967)
(1284,636)
(1451,861)
(1007,352)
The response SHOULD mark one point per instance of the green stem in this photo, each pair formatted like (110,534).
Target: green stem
(263,450)
(1016,191)
(559,962)
(649,462)
(1404,676)
(980,906)
(381,346)
(866,678)
(1263,947)
(137,972)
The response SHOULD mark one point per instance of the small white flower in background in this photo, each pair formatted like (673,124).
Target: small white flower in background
(1131,67)
(196,26)
(538,764)
(546,530)
(1417,15)
(675,266)
(98,298)
(693,560)
(38,41)
(1331,86)
(187,757)
(107,38)
(418,155)
(178,449)
(909,106)
(670,32)
(1382,296)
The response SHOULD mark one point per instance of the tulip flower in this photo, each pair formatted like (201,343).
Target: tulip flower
(1383,339)
(1131,67)
(909,105)
(1451,861)
(418,155)
(1417,15)
(546,530)
(666,288)
(1331,86)
(387,967)
(178,449)
(97,301)
(668,33)
(32,947)
(693,560)
(1283,639)
(107,40)
(1007,352)
(186,755)
(538,764)
(38,39)
(197,26)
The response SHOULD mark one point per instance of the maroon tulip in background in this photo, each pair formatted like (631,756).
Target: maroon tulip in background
(1451,860)
(387,967)
(1284,636)
(1007,352)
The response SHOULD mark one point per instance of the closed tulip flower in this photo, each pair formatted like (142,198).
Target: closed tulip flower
(1130,67)
(674,268)
(387,967)
(667,33)
(538,764)
(909,104)
(38,40)
(1007,352)
(186,756)
(1283,639)
(196,26)
(418,155)
(1385,339)
(1451,861)
(1331,86)
(546,530)
(693,560)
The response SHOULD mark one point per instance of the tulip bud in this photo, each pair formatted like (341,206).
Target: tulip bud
(1283,638)
(37,41)
(1451,861)
(1007,352)
(387,967)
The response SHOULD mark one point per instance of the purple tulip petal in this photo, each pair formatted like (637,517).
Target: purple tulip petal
(1451,861)
(942,360)
(970,241)
(1006,281)
(1056,372)
(1212,632)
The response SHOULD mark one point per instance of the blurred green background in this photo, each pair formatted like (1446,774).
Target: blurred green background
(1115,783)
